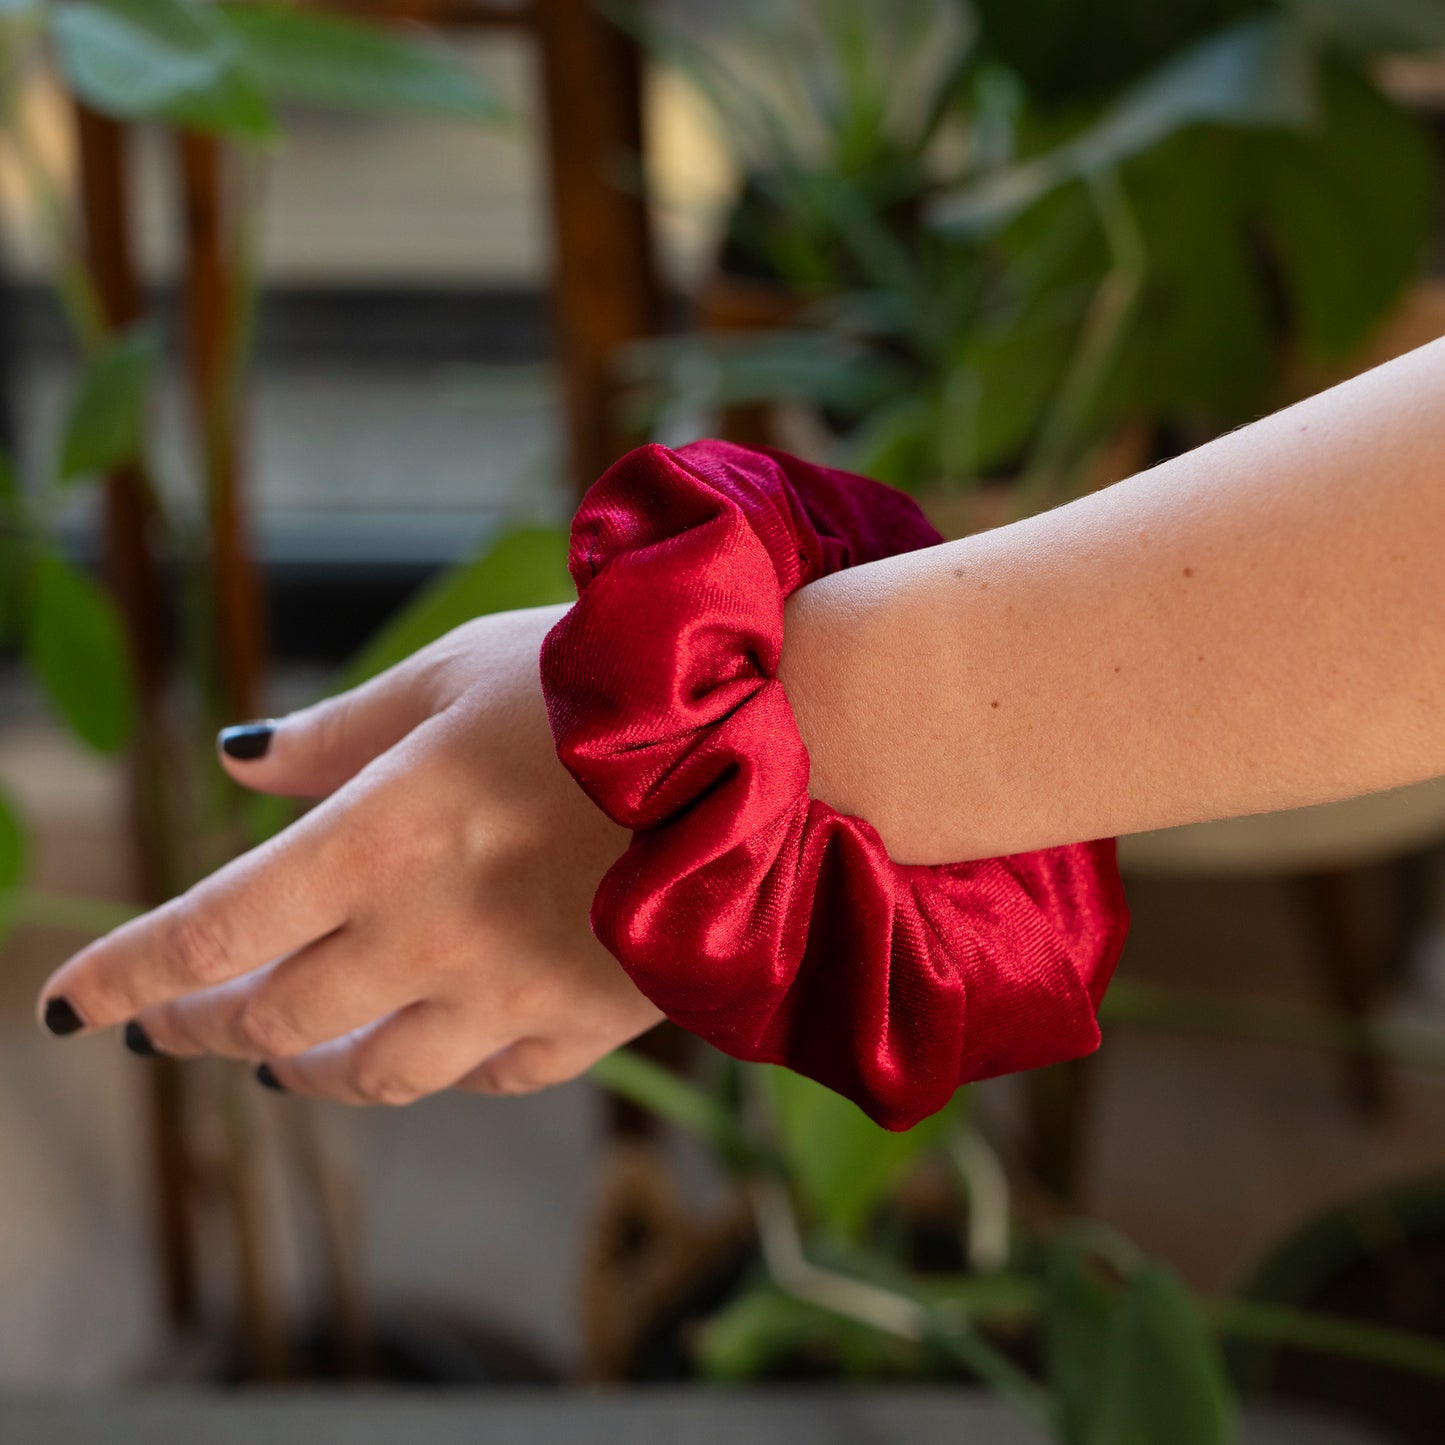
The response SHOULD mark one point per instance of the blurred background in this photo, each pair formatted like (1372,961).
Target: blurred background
(315,321)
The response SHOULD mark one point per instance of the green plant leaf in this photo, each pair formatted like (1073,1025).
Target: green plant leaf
(14,850)
(104,425)
(327,60)
(1374,26)
(1203,346)
(1164,1378)
(13,845)
(1350,211)
(524,568)
(681,1101)
(763,1330)
(77,648)
(1068,51)
(1078,1318)
(841,1164)
(172,60)
(1258,73)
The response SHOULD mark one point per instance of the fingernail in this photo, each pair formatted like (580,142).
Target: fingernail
(247,741)
(266,1076)
(61,1018)
(138,1041)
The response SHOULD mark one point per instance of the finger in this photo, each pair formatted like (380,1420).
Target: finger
(532,1064)
(324,991)
(287,893)
(313,752)
(421,1050)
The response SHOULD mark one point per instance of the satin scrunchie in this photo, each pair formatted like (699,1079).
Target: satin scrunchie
(763,921)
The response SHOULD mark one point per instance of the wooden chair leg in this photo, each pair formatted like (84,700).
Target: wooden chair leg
(1058,1111)
(606,291)
(1348,971)
(139,589)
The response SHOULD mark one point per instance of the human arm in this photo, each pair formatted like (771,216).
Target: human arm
(426,924)
(1257,624)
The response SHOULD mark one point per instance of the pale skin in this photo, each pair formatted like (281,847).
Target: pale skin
(1259,624)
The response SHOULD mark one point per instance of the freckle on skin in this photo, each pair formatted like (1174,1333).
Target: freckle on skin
(1200,658)
(993,704)
(1116,669)
(1189,571)
(958,571)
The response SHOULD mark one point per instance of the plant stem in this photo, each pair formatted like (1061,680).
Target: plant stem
(1326,1334)
(1137,1005)
(669,1096)
(1054,452)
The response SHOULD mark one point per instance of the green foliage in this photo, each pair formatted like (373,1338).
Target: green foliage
(172,60)
(1155,249)
(331,61)
(1370,26)
(822,98)
(13,857)
(105,422)
(669,1096)
(1163,1379)
(76,646)
(1135,1364)
(12,549)
(1349,210)
(524,568)
(1256,74)
(764,1331)
(1077,1323)
(13,846)
(841,1164)
(1073,51)
(223,69)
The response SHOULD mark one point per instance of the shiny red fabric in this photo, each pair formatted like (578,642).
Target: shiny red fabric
(769,924)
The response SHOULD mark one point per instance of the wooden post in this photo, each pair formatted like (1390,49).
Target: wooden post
(605,288)
(212,291)
(138,584)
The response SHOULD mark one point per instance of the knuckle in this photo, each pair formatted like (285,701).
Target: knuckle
(526,1068)
(331,725)
(194,948)
(378,1084)
(265,1031)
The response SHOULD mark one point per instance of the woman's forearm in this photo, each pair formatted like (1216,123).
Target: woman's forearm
(1258,624)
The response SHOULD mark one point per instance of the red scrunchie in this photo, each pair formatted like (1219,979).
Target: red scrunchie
(769,924)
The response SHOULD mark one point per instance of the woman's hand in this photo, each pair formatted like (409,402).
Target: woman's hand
(425,927)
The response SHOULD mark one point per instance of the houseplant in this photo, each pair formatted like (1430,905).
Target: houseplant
(1139,249)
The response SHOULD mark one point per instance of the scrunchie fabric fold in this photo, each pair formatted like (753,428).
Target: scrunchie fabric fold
(760,919)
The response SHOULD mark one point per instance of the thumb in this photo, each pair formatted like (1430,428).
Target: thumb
(312,752)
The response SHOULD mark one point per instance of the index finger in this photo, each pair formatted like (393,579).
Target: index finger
(289,891)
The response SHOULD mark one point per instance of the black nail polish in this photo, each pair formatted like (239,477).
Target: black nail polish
(61,1018)
(266,1076)
(247,741)
(138,1041)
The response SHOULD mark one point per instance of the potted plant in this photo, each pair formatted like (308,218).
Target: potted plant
(1061,272)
